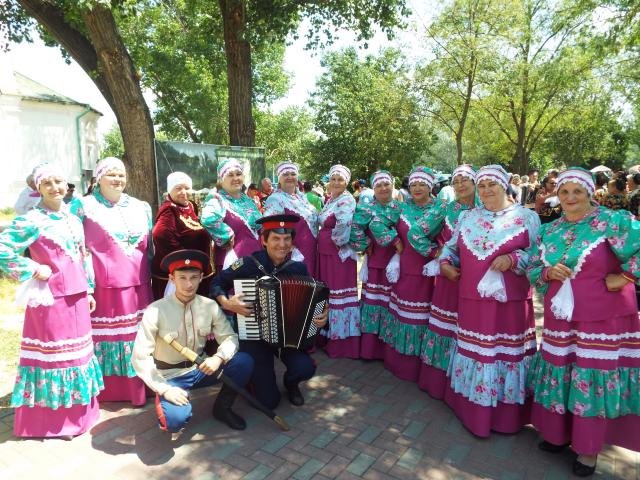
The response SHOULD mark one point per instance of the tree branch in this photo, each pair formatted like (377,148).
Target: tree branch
(72,40)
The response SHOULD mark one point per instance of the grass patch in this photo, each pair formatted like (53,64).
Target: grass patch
(8,295)
(9,350)
(9,338)
(7,214)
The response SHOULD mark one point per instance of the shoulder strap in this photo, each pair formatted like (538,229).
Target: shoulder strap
(259,265)
(283,266)
(276,270)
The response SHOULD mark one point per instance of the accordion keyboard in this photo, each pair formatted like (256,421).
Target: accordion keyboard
(248,328)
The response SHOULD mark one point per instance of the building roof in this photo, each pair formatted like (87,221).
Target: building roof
(16,84)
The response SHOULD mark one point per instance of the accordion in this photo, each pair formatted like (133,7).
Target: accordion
(284,311)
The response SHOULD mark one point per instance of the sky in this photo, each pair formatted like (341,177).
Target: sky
(46,65)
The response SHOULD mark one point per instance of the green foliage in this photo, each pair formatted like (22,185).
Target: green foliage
(7,214)
(15,24)
(112,146)
(589,135)
(178,47)
(464,47)
(367,115)
(542,72)
(277,18)
(287,135)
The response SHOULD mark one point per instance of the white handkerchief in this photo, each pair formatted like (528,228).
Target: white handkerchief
(346,252)
(562,301)
(432,268)
(364,270)
(34,293)
(393,269)
(492,285)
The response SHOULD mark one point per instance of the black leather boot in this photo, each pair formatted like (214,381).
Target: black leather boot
(222,409)
(294,394)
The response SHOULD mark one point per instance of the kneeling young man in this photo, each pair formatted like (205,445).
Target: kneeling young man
(189,318)
(277,237)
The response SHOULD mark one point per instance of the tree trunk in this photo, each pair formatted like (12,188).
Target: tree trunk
(459,134)
(134,119)
(471,76)
(72,40)
(242,128)
(103,56)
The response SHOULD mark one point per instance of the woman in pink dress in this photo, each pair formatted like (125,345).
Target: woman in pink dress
(337,267)
(487,256)
(117,228)
(288,199)
(585,379)
(230,217)
(376,320)
(59,378)
(439,341)
(411,293)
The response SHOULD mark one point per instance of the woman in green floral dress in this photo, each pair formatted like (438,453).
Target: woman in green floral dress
(585,379)
(59,378)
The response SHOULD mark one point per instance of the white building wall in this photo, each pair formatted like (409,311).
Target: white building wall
(34,132)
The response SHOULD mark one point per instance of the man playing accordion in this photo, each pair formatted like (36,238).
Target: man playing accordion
(277,236)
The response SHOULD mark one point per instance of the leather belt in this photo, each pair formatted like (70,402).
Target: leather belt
(160,365)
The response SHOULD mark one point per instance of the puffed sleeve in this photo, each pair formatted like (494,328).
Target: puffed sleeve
(449,252)
(273,205)
(344,211)
(536,265)
(623,236)
(14,239)
(520,257)
(383,223)
(143,348)
(422,233)
(213,215)
(358,237)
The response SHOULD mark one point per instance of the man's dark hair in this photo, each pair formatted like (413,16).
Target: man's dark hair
(307,186)
(601,179)
(620,183)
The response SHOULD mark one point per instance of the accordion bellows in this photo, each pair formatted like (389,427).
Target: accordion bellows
(285,308)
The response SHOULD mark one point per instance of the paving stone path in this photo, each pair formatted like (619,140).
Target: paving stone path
(359,421)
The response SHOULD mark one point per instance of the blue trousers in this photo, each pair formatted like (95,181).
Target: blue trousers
(300,367)
(173,417)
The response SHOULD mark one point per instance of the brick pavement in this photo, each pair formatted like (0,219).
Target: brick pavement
(359,422)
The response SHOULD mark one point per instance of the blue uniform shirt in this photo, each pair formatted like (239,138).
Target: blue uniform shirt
(245,267)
